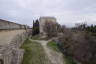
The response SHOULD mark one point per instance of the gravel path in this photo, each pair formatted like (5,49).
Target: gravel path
(54,57)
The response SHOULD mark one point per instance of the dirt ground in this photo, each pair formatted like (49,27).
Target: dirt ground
(7,36)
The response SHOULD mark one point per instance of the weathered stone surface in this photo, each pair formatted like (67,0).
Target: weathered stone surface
(11,53)
(17,56)
(11,41)
(42,21)
(7,36)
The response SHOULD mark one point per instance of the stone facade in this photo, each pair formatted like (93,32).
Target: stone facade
(42,21)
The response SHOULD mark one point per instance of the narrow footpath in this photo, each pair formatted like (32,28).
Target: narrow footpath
(54,57)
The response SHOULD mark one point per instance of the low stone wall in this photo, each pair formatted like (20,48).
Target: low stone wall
(11,53)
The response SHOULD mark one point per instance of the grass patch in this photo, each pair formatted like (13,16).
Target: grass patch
(34,53)
(53,45)
(36,37)
(69,60)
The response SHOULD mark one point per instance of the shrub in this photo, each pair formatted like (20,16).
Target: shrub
(80,45)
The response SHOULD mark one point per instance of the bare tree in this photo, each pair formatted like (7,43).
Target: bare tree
(50,28)
(81,26)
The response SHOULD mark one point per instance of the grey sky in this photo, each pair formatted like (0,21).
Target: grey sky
(67,12)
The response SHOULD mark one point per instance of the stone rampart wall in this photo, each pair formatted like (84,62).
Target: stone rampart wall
(10,25)
(11,53)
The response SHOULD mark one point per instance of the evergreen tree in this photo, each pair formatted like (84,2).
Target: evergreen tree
(35,30)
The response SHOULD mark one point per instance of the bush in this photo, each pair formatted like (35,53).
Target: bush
(53,45)
(80,45)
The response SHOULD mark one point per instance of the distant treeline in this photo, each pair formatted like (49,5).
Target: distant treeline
(85,27)
(91,28)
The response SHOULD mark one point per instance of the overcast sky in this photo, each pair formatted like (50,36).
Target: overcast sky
(67,12)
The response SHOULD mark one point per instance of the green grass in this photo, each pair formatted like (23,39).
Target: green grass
(34,53)
(36,37)
(53,45)
(69,60)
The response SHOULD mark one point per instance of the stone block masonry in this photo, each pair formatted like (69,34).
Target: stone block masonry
(11,53)
(11,41)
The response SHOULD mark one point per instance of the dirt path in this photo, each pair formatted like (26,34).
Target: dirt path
(54,57)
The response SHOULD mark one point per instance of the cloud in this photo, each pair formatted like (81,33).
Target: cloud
(67,12)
